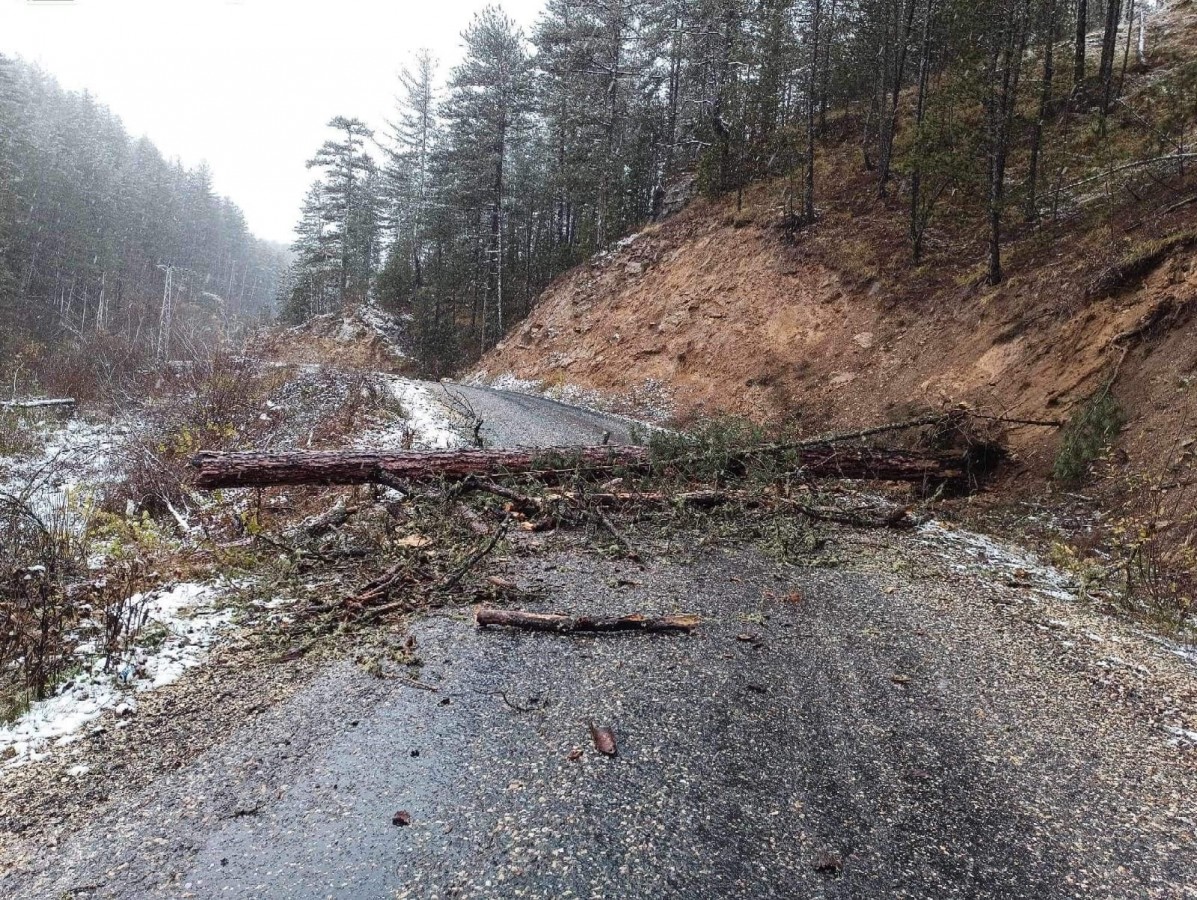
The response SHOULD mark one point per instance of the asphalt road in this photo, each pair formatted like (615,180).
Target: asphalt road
(825,733)
(511,419)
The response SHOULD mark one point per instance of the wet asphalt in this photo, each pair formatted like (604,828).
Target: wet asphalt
(747,768)
(512,419)
(821,735)
(818,736)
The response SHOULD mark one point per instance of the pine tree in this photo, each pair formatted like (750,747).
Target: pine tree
(348,205)
(87,217)
(9,129)
(407,175)
(490,98)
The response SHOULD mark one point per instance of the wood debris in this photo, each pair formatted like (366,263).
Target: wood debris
(564,624)
(604,739)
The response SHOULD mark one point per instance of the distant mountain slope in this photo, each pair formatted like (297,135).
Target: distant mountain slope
(97,229)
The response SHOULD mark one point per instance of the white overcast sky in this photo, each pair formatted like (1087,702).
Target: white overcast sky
(245,85)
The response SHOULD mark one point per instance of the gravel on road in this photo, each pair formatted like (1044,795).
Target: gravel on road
(825,733)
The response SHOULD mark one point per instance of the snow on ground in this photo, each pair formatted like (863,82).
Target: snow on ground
(181,624)
(77,455)
(968,552)
(178,624)
(426,424)
(1014,563)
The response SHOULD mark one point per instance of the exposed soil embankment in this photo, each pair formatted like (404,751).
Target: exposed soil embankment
(362,338)
(732,315)
(834,325)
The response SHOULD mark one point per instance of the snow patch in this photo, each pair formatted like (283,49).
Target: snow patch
(1017,565)
(967,551)
(426,424)
(75,457)
(185,612)
(1181,734)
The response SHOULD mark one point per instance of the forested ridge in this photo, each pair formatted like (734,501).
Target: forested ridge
(108,250)
(540,149)
(537,149)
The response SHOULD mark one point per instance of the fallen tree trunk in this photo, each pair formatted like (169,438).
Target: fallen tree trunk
(262,469)
(38,403)
(562,624)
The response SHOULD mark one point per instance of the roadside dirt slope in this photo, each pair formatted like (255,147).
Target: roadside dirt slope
(731,315)
(835,326)
(365,337)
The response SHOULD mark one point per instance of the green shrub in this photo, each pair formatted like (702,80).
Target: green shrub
(719,448)
(1090,431)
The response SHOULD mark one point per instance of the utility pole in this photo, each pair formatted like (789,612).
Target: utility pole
(162,351)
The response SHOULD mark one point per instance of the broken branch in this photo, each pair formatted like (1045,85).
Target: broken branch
(473,560)
(563,624)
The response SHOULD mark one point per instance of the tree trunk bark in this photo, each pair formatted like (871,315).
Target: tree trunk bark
(296,467)
(1045,100)
(1082,29)
(1109,46)
(889,124)
(808,200)
(920,112)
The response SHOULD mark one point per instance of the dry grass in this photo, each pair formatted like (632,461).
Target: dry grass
(43,553)
(209,406)
(1137,263)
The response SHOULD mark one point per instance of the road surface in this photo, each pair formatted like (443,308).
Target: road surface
(905,725)
(512,419)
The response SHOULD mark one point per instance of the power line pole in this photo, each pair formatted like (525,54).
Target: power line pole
(162,350)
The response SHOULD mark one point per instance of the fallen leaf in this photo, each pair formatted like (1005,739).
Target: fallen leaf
(413,540)
(574,754)
(403,817)
(604,739)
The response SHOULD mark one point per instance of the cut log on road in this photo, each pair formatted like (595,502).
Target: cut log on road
(261,469)
(562,624)
(39,403)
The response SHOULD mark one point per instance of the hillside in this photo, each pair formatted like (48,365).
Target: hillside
(729,312)
(732,317)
